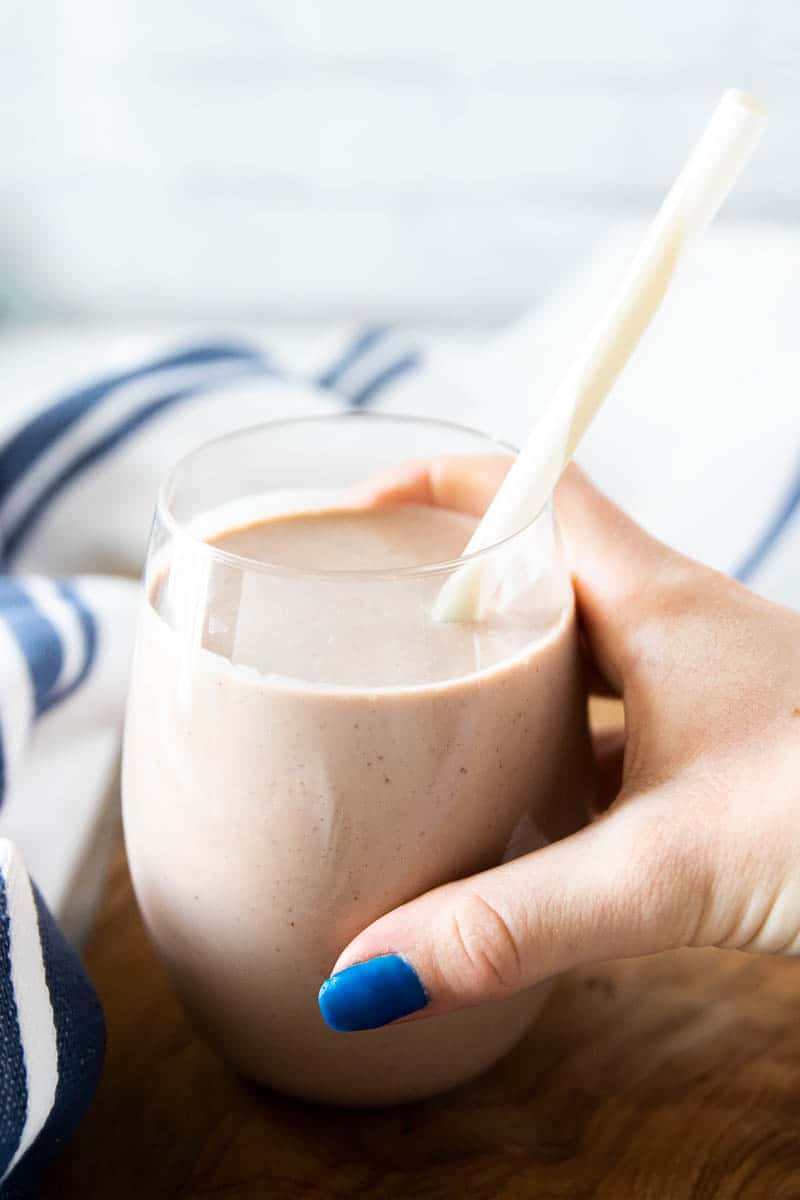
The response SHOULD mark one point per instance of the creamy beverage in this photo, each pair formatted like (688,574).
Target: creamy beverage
(306,749)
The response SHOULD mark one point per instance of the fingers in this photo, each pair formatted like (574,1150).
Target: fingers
(611,890)
(464,483)
(621,574)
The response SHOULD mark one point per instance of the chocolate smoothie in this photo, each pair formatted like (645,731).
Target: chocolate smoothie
(309,749)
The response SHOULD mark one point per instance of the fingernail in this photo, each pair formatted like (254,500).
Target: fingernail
(371,994)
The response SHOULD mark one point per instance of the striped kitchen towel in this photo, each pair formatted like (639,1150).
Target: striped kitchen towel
(78,478)
(52,1034)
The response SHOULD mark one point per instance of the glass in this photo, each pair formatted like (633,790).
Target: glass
(306,749)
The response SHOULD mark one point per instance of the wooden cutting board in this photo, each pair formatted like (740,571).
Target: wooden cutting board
(667,1078)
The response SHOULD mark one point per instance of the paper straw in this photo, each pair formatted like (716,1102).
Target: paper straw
(693,200)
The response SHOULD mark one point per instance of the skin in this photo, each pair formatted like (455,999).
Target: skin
(699,840)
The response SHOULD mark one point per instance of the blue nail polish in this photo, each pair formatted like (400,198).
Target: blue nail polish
(371,994)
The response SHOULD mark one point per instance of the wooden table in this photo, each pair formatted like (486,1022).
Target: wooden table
(662,1079)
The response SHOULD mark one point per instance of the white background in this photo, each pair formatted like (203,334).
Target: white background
(424,160)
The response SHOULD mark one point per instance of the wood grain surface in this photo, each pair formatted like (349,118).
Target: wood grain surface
(662,1079)
(666,1078)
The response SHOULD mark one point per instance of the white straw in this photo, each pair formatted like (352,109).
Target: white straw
(693,200)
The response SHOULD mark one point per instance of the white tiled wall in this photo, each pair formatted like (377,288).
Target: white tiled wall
(412,158)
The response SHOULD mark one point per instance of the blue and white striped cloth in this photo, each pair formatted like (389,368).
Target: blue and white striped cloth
(77,485)
(78,478)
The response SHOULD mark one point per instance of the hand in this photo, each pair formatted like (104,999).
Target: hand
(700,845)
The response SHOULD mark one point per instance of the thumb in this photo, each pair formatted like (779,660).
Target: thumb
(612,890)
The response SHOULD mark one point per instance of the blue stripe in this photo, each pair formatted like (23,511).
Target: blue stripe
(369,391)
(765,544)
(13,1076)
(36,637)
(16,536)
(357,348)
(30,442)
(80,1045)
(88,625)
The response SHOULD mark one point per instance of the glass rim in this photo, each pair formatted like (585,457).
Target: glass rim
(179,529)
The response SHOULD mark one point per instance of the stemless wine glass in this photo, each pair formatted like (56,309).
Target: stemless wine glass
(305,749)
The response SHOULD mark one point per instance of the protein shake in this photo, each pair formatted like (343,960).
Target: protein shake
(306,749)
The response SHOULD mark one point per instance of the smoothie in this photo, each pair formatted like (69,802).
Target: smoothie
(299,761)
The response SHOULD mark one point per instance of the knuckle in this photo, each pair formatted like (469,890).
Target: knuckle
(481,957)
(663,885)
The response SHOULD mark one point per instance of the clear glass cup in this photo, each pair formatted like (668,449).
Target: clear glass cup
(307,749)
